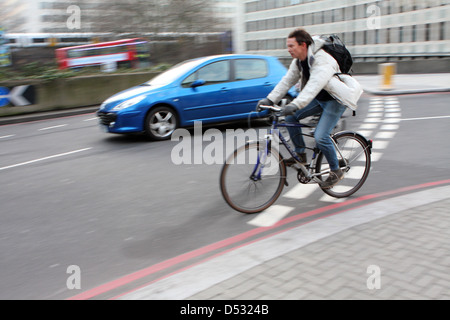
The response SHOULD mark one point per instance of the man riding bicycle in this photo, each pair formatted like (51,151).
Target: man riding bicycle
(316,70)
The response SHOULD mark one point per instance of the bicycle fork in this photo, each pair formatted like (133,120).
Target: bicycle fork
(264,158)
(261,158)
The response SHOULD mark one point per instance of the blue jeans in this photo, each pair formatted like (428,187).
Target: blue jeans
(331,113)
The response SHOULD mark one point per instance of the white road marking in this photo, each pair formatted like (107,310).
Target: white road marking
(327,198)
(374,114)
(372,120)
(45,158)
(365,133)
(425,118)
(355,172)
(394,120)
(393,115)
(375,156)
(389,127)
(301,191)
(385,135)
(53,127)
(8,136)
(380,144)
(368,126)
(270,216)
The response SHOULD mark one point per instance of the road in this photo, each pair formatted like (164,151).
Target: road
(111,205)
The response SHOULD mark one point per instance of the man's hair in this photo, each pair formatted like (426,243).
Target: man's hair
(301,36)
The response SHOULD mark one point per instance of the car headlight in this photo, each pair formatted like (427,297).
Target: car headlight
(128,103)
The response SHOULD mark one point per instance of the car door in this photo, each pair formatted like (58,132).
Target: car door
(205,94)
(251,83)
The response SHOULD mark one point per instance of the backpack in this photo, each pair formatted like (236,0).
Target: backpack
(336,48)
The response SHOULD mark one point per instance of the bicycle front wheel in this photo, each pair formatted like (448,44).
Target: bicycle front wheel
(252,178)
(354,159)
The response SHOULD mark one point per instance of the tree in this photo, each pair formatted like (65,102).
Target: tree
(142,16)
(9,14)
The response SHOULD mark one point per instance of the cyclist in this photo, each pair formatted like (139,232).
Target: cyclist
(314,68)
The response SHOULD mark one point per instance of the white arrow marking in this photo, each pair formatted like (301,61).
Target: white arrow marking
(16,98)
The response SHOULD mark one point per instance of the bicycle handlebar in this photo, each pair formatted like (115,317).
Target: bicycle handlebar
(271,108)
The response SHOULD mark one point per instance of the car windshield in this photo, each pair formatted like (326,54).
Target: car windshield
(173,73)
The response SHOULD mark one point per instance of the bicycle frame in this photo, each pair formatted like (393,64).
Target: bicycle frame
(309,174)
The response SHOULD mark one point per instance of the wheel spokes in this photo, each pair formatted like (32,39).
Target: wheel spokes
(162,124)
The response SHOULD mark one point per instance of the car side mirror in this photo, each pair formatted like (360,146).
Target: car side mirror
(198,83)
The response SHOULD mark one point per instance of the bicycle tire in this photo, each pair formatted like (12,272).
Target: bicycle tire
(357,152)
(241,190)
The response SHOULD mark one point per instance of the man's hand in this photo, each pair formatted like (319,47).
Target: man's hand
(289,109)
(263,102)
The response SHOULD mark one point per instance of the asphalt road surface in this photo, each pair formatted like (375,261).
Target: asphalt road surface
(80,208)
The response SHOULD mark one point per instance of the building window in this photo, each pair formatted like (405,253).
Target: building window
(299,20)
(442,31)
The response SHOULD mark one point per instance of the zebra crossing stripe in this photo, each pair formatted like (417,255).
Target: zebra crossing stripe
(271,216)
(301,191)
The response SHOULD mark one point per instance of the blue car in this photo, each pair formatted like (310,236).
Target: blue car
(210,89)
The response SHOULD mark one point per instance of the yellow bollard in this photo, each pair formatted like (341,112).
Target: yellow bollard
(387,71)
(52,42)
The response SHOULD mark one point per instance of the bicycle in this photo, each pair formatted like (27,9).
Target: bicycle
(254,175)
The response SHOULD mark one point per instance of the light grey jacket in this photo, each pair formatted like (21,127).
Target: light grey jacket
(323,67)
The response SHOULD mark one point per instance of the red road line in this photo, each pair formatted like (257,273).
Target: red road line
(235,239)
(232,249)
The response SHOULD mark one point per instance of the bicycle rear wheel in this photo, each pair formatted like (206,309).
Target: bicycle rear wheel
(354,160)
(252,178)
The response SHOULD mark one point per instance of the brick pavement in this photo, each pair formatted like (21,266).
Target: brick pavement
(411,248)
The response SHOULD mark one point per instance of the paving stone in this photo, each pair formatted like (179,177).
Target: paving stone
(411,248)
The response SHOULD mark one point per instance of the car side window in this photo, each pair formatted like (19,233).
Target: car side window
(246,69)
(216,72)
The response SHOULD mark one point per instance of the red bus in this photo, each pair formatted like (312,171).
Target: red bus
(133,53)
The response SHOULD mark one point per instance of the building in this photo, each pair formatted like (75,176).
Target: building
(59,16)
(224,13)
(34,28)
(17,15)
(372,30)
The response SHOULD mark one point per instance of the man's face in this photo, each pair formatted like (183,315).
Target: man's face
(297,51)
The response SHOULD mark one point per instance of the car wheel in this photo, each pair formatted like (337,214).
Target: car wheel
(160,123)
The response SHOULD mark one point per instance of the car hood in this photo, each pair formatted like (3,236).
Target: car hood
(127,94)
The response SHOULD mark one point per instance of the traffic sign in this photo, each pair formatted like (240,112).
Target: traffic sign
(18,96)
(4,93)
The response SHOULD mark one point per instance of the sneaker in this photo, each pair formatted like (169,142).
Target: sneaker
(334,177)
(291,161)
